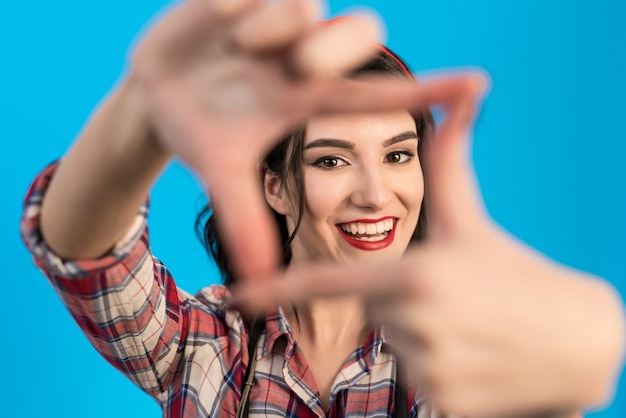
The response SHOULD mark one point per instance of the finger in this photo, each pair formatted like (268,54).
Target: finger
(454,199)
(246,228)
(323,281)
(231,9)
(178,36)
(382,93)
(230,172)
(411,321)
(276,25)
(245,224)
(338,47)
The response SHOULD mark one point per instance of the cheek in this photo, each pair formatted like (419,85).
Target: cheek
(324,194)
(412,194)
(419,188)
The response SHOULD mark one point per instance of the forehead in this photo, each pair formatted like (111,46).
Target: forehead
(359,128)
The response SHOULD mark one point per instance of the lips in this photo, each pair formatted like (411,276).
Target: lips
(369,234)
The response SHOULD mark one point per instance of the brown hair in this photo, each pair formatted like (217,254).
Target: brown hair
(285,161)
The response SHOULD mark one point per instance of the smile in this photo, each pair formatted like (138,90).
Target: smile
(369,234)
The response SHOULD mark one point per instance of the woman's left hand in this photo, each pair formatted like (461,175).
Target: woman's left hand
(487,325)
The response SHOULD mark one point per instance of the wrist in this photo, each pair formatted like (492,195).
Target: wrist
(597,345)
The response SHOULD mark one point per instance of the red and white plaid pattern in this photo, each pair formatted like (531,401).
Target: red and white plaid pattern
(190,352)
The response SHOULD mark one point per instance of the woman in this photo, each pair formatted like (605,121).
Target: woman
(214,83)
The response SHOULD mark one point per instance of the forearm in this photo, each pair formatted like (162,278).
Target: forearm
(103,179)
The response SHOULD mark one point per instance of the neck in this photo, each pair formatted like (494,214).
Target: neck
(327,323)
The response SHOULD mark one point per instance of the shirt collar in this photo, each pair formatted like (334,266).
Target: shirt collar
(277,327)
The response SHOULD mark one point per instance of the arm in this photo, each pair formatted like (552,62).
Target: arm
(103,180)
(126,301)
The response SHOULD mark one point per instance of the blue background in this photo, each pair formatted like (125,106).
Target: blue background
(548,151)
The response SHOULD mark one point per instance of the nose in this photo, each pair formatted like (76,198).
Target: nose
(372,190)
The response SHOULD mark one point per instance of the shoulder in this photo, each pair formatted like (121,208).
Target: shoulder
(216,299)
(215,296)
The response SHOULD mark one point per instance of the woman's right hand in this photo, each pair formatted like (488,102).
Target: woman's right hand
(213,83)
(222,80)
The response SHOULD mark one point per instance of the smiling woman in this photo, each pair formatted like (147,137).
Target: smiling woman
(354,183)
(371,178)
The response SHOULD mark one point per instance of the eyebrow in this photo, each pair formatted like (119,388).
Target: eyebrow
(329,143)
(340,143)
(399,138)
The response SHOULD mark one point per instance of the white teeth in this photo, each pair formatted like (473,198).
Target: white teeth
(377,228)
(372,239)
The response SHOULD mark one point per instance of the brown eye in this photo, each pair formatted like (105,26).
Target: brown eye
(330,162)
(398,157)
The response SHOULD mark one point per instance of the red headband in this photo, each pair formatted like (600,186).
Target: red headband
(397,59)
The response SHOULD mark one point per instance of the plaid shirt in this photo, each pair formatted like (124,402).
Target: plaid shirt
(190,352)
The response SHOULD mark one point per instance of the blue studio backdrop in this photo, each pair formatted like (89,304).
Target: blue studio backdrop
(549,150)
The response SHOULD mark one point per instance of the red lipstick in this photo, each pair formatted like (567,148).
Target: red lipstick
(362,244)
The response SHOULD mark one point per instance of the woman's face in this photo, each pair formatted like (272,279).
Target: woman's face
(363,187)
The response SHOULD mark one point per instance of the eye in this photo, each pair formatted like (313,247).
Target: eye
(399,157)
(329,162)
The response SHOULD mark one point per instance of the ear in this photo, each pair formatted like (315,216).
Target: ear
(275,193)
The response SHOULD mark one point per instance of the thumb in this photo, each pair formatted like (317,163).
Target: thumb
(245,224)
(454,199)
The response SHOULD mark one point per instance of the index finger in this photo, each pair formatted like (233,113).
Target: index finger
(245,225)
(454,199)
(325,281)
